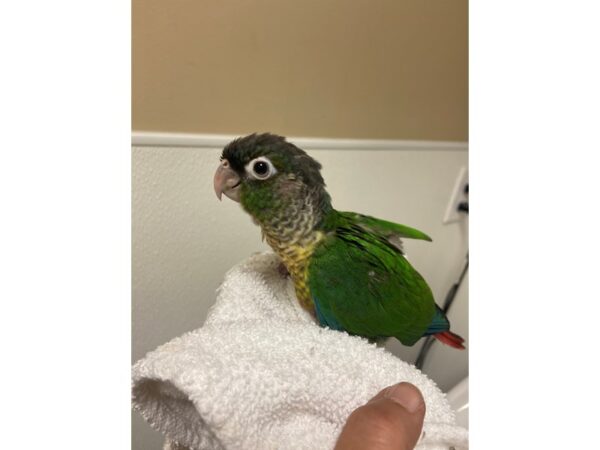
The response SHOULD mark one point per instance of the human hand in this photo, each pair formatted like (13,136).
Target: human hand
(392,420)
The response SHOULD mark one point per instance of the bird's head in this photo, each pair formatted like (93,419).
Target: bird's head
(270,177)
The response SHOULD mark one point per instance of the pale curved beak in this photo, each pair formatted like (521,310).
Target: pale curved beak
(227,182)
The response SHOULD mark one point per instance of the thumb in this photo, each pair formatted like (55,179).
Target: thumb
(393,419)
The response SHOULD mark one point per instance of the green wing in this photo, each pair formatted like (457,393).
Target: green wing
(382,227)
(361,283)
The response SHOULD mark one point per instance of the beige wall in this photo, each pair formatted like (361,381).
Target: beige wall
(390,69)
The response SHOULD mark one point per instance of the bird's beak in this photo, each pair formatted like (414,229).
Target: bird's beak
(227,182)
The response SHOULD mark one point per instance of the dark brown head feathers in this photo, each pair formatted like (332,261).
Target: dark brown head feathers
(285,156)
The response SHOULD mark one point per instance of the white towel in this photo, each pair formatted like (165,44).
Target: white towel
(261,374)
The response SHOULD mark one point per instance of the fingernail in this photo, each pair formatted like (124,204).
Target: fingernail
(406,395)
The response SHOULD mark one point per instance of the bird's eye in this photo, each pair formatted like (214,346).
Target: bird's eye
(261,168)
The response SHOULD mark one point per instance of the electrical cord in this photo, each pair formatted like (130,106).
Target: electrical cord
(446,307)
(463,207)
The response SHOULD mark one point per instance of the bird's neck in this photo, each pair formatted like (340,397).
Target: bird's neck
(299,228)
(298,220)
(294,232)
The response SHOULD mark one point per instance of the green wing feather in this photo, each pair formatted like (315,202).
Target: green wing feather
(383,227)
(361,283)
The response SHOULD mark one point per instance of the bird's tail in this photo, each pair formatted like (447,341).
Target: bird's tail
(451,339)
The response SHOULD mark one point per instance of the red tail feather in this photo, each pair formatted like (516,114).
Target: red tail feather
(451,339)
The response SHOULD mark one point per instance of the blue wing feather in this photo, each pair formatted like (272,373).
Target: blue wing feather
(439,323)
(326,319)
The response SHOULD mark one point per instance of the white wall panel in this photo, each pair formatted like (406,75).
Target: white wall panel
(184,239)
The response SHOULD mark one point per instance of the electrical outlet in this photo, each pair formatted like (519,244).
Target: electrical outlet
(458,195)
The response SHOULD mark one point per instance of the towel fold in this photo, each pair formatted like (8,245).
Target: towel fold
(261,374)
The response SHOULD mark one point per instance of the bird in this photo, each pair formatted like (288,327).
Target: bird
(349,269)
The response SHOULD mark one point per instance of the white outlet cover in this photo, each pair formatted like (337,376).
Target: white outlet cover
(458,196)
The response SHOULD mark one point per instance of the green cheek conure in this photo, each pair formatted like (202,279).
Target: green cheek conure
(348,269)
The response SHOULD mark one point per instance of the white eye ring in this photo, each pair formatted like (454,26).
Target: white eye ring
(260,171)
